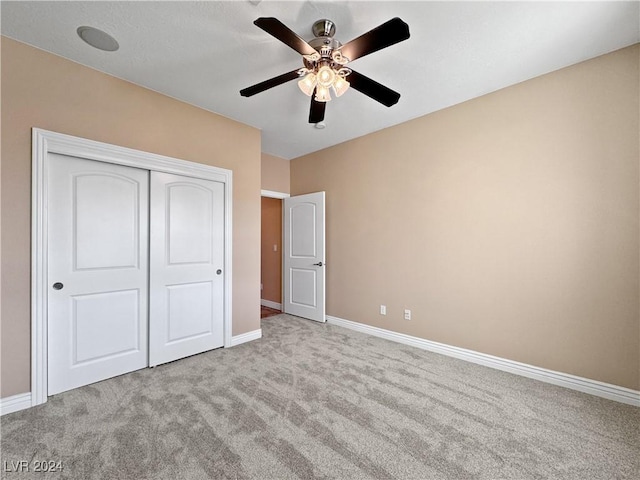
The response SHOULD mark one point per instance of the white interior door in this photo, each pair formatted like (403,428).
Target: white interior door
(304,256)
(186,262)
(97,271)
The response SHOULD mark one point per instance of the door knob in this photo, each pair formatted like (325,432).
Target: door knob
(218,271)
(319,264)
(58,286)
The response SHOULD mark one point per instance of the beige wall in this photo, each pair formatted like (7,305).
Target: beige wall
(275,177)
(271,261)
(507,224)
(42,90)
(275,174)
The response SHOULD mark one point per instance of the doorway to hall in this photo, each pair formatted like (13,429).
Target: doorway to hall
(271,257)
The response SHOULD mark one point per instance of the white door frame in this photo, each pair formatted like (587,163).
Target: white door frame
(45,142)
(272,194)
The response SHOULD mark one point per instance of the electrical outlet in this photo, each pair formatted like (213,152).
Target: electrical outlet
(383,309)
(407,314)
(275,248)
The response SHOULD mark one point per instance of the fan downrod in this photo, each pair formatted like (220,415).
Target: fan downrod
(323,28)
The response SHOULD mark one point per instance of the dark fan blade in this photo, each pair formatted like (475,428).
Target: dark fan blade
(275,27)
(316,113)
(387,34)
(373,89)
(267,84)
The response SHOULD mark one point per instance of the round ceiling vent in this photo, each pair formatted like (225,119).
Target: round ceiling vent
(98,39)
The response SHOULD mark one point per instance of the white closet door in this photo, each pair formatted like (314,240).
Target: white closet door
(186,261)
(97,271)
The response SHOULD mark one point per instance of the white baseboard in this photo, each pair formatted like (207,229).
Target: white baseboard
(585,385)
(270,304)
(15,403)
(246,337)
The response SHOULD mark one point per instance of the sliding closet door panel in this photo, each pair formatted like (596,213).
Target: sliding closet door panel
(186,266)
(98,268)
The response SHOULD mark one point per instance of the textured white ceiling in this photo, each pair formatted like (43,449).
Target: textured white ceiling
(204,52)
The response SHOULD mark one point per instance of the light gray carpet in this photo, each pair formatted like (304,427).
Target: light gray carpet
(317,401)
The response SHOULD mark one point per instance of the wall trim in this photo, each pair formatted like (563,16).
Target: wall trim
(270,304)
(272,194)
(246,337)
(573,382)
(45,142)
(15,403)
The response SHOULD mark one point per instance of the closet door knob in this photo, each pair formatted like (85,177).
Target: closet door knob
(218,271)
(58,286)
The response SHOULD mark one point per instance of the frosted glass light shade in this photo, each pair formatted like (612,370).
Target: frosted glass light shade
(307,84)
(322,94)
(340,85)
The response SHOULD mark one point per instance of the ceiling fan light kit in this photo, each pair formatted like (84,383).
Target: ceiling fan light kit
(325,58)
(327,76)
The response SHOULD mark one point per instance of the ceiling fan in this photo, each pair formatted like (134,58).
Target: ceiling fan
(325,60)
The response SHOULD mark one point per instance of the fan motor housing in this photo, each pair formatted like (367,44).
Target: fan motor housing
(325,45)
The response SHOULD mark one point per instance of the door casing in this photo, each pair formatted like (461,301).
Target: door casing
(45,142)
